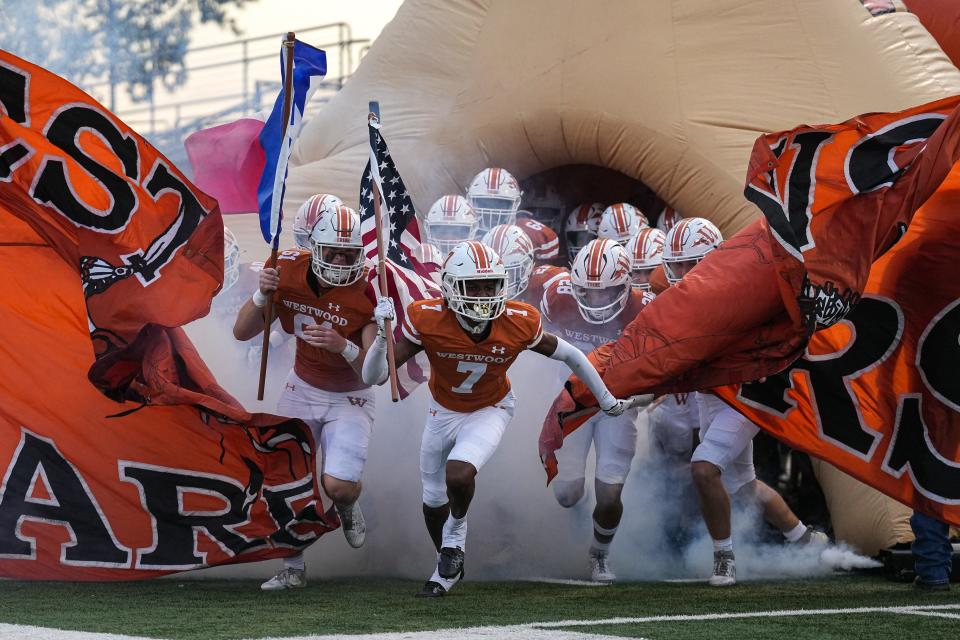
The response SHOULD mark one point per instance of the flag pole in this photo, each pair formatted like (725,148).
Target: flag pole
(287,106)
(381,266)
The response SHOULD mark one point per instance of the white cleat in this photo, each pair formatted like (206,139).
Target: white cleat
(353,525)
(289,578)
(600,567)
(812,537)
(724,569)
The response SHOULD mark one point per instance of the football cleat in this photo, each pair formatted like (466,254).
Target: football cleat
(724,569)
(289,578)
(450,565)
(813,537)
(353,525)
(600,567)
(431,589)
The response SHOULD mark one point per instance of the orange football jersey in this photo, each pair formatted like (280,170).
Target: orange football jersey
(347,310)
(562,316)
(466,375)
(546,244)
(541,278)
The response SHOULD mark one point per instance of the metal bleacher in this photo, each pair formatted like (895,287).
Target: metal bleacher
(225,82)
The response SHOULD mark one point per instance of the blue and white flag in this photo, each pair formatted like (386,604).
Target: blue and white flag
(309,67)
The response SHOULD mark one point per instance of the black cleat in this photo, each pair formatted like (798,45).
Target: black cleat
(450,565)
(431,590)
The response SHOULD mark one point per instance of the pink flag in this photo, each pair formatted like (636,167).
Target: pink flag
(227,162)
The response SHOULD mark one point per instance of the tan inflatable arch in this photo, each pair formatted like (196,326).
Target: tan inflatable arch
(669,93)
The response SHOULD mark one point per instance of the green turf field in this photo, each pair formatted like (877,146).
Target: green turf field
(237,609)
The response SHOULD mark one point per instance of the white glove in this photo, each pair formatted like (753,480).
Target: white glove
(384,311)
(612,406)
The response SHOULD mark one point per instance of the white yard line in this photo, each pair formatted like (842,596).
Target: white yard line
(529,631)
(745,614)
(932,614)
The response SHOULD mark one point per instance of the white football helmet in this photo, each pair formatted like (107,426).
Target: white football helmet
(668,218)
(470,262)
(686,244)
(231,260)
(308,214)
(581,227)
(336,246)
(495,195)
(646,253)
(620,222)
(450,221)
(600,275)
(516,250)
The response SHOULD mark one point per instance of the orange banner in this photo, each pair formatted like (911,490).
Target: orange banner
(106,248)
(878,395)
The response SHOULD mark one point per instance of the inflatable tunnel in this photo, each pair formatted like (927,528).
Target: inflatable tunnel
(656,102)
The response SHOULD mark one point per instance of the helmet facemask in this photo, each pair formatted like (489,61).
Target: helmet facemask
(640,278)
(495,210)
(598,305)
(446,235)
(337,274)
(676,268)
(462,298)
(518,276)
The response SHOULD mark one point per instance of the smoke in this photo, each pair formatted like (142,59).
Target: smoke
(516,528)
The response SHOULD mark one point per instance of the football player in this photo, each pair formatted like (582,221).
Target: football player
(540,280)
(546,244)
(620,222)
(543,204)
(589,309)
(646,254)
(516,251)
(323,298)
(668,218)
(495,195)
(722,463)
(581,227)
(450,221)
(471,336)
(240,280)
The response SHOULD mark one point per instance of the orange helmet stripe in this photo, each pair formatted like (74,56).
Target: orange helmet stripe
(479,254)
(493,179)
(620,219)
(677,244)
(595,258)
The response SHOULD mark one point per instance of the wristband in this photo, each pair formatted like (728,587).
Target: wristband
(350,351)
(259,300)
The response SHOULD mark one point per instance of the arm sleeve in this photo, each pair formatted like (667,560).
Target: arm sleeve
(375,369)
(581,367)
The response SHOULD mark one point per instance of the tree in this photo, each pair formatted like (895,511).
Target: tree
(137,42)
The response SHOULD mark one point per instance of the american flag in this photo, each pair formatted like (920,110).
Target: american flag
(408,278)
